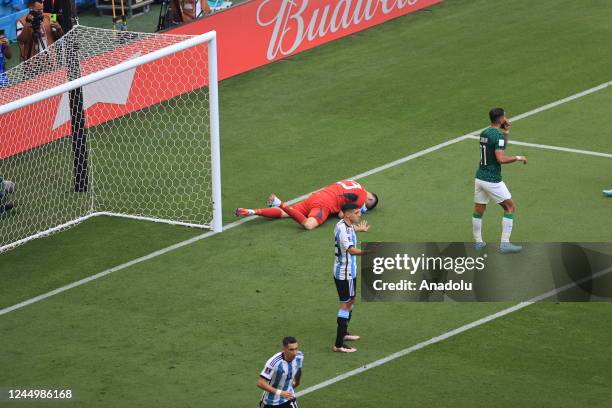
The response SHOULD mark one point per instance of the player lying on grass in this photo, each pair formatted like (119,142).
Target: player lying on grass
(6,187)
(608,193)
(488,183)
(315,209)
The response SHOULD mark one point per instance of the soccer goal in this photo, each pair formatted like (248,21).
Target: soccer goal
(112,123)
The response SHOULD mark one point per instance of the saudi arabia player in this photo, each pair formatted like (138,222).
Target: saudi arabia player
(488,183)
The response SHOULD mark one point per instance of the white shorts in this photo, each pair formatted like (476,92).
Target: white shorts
(484,190)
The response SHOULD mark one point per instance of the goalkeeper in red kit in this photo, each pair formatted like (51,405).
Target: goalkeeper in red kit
(315,209)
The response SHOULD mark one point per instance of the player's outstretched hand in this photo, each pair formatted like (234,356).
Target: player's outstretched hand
(363,226)
(522,158)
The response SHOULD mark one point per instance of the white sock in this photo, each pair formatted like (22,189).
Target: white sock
(506,228)
(477,229)
(276,202)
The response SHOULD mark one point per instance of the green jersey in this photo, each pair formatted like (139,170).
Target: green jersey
(491,139)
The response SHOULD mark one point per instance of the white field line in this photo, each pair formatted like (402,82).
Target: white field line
(449,334)
(558,148)
(242,221)
(202,236)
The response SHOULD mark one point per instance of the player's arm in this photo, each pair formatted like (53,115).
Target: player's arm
(298,377)
(500,153)
(500,149)
(348,245)
(264,385)
(500,156)
(356,251)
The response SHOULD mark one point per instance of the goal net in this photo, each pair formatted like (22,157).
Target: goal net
(110,122)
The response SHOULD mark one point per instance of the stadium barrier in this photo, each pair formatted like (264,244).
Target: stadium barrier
(250,35)
(258,32)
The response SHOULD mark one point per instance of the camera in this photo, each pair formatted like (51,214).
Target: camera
(36,19)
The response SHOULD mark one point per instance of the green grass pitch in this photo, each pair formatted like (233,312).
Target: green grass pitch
(192,328)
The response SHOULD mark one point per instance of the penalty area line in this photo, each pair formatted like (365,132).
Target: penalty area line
(242,221)
(450,334)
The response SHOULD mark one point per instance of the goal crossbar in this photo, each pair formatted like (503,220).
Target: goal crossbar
(114,70)
(215,159)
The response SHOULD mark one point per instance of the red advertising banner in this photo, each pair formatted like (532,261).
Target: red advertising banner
(259,32)
(249,35)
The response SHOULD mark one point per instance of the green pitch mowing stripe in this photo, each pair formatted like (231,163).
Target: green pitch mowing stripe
(548,355)
(391,91)
(357,177)
(201,319)
(194,327)
(452,333)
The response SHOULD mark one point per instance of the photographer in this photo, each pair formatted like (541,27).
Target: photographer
(36,30)
(5,52)
(6,187)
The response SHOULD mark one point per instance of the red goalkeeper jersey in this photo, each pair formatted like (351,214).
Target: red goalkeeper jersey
(336,195)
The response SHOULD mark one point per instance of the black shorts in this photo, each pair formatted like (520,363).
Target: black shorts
(347,289)
(287,404)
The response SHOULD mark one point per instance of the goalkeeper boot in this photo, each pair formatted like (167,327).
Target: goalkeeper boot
(243,212)
(607,193)
(351,337)
(274,201)
(509,248)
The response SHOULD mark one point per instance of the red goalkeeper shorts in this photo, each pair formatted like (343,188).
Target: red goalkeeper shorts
(314,209)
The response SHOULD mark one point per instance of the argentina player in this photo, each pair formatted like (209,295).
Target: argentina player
(281,374)
(345,271)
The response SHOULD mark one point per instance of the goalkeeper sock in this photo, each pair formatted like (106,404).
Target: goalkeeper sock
(507,223)
(477,227)
(293,213)
(273,212)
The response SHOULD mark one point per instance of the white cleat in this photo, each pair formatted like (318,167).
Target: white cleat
(273,201)
(479,245)
(344,349)
(509,248)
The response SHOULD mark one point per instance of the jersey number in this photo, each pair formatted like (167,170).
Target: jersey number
(483,155)
(350,185)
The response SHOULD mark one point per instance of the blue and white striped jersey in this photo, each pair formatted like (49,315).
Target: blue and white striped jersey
(280,374)
(345,264)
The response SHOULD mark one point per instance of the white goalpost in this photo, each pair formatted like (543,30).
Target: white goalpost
(110,123)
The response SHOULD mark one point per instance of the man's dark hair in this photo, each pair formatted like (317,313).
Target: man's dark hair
(31,2)
(289,340)
(375,202)
(495,114)
(349,206)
